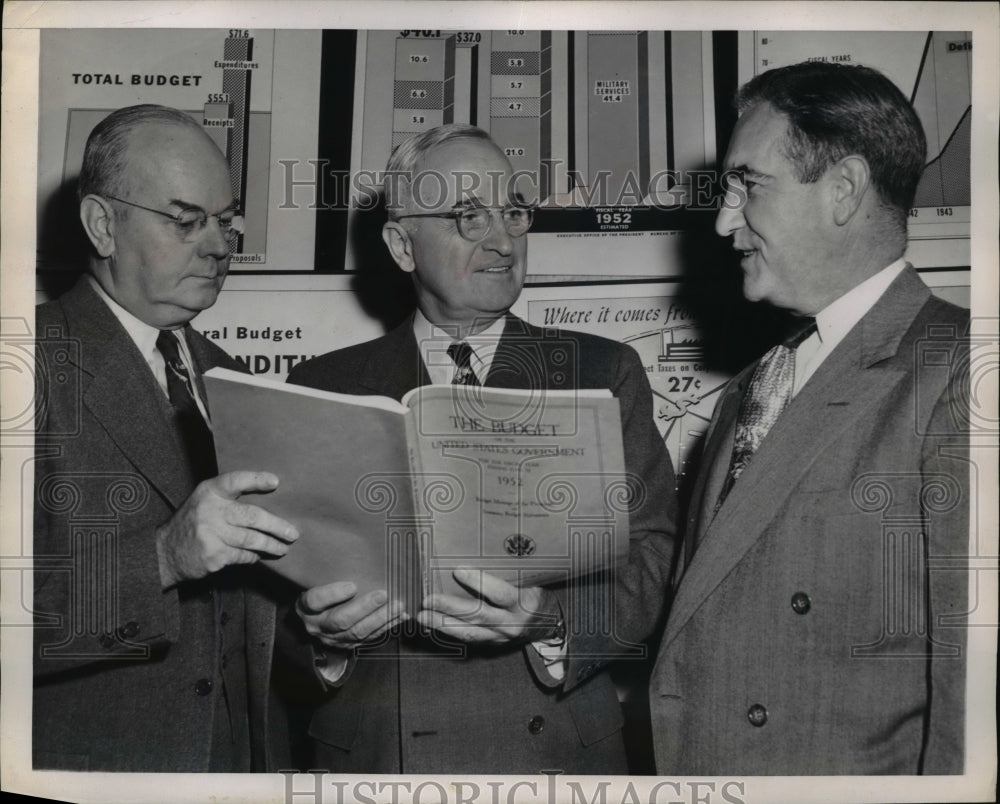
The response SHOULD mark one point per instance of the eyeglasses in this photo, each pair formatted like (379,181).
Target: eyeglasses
(192,222)
(474,223)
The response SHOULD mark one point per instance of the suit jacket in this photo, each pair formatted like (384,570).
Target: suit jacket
(415,708)
(818,626)
(118,661)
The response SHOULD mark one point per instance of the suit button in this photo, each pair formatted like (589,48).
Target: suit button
(801,603)
(757,715)
(203,686)
(129,630)
(536,724)
(106,641)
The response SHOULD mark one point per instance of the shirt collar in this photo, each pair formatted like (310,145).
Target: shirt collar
(142,334)
(838,318)
(433,342)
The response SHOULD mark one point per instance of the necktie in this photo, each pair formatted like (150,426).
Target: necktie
(461,353)
(198,442)
(768,394)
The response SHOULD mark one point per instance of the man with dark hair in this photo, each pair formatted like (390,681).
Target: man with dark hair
(817,626)
(150,653)
(508,683)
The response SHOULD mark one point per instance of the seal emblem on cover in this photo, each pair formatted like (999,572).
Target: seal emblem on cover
(518,544)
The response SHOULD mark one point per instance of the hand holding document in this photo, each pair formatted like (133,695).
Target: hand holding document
(528,486)
(498,614)
(338,617)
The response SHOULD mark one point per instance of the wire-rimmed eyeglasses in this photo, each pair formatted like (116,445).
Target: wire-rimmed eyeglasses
(474,223)
(192,222)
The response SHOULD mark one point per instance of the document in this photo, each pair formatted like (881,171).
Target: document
(527,485)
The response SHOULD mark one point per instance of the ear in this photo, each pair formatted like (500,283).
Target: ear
(397,239)
(98,221)
(851,179)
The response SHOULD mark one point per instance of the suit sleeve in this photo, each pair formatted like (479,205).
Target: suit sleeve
(97,588)
(98,595)
(304,658)
(605,619)
(947,499)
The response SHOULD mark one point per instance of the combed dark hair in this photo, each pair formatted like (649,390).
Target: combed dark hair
(835,110)
(404,158)
(105,158)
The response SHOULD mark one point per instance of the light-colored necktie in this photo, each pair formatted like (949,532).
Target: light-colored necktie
(461,354)
(767,395)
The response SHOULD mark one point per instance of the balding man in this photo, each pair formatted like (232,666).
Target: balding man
(151,652)
(511,683)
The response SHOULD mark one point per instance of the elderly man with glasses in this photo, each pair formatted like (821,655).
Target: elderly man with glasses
(510,684)
(152,644)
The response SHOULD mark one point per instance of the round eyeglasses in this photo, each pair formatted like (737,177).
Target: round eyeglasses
(191,223)
(474,223)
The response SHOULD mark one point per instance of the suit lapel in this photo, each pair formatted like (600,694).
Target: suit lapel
(395,366)
(123,394)
(510,367)
(719,450)
(840,393)
(714,465)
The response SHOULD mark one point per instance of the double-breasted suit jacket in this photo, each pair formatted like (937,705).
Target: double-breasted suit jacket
(126,674)
(818,623)
(495,710)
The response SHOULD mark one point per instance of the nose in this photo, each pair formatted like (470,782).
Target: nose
(497,239)
(213,240)
(730,217)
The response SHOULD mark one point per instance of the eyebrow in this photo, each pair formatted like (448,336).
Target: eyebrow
(187,205)
(469,202)
(472,202)
(746,170)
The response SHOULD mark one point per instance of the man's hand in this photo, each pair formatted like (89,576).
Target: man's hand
(334,615)
(503,614)
(212,530)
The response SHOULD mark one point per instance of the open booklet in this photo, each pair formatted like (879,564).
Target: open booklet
(526,485)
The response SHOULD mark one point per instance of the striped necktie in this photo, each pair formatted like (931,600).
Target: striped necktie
(198,442)
(461,354)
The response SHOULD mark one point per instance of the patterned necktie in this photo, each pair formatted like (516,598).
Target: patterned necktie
(768,394)
(461,354)
(198,441)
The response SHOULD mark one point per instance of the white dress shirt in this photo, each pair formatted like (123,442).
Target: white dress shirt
(144,337)
(434,341)
(838,318)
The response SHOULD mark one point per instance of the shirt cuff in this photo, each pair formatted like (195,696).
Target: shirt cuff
(330,665)
(553,653)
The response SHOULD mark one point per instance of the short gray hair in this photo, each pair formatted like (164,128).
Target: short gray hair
(407,155)
(105,158)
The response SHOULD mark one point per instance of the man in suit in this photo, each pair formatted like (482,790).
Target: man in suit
(817,627)
(150,655)
(524,693)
